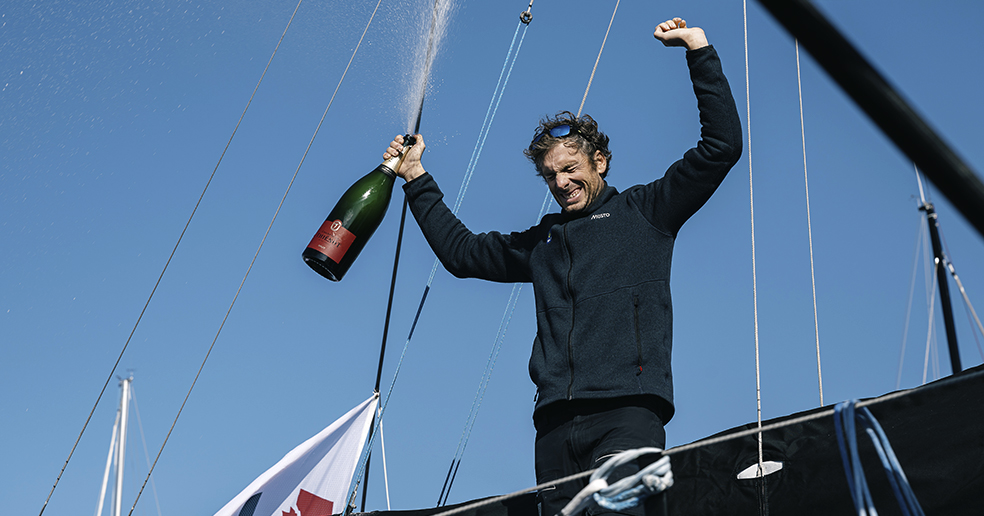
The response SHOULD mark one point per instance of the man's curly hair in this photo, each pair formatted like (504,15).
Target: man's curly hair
(585,136)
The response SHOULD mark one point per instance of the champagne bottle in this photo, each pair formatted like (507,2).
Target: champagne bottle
(353,220)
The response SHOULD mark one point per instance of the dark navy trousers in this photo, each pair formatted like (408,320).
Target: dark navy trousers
(581,435)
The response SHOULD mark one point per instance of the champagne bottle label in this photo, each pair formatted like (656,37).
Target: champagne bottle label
(332,240)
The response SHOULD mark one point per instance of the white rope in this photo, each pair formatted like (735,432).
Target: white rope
(627,492)
(809,223)
(597,59)
(751,203)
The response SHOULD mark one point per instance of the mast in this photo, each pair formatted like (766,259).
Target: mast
(117,452)
(121,445)
(941,280)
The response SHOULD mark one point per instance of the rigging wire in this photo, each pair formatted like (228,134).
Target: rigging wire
(972,317)
(479,395)
(968,306)
(809,223)
(143,440)
(761,475)
(920,237)
(374,426)
(930,331)
(255,255)
(428,61)
(168,262)
(476,154)
(938,259)
(597,59)
(751,196)
(510,305)
(382,446)
(969,309)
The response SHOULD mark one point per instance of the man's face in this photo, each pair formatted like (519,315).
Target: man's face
(574,180)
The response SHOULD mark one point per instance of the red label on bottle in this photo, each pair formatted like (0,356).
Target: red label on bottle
(332,240)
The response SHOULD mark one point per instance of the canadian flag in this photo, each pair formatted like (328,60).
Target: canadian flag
(314,477)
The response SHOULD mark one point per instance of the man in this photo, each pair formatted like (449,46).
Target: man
(600,271)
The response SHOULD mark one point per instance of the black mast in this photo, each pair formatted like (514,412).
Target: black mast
(951,331)
(399,242)
(941,265)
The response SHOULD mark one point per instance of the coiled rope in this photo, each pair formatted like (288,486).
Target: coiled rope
(845,418)
(164,270)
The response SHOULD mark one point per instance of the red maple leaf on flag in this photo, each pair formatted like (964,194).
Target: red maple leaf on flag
(310,505)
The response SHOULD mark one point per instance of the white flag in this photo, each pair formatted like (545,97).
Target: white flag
(314,478)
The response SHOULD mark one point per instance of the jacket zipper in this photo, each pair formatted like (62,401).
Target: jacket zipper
(635,306)
(570,332)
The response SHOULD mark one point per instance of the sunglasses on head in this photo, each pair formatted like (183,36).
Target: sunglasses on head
(557,132)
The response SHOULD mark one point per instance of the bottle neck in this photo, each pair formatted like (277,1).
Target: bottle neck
(390,166)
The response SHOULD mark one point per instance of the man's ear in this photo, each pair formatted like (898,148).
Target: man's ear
(600,162)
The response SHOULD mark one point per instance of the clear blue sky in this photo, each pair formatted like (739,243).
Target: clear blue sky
(115,113)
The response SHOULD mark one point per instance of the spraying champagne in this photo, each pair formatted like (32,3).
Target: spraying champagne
(353,220)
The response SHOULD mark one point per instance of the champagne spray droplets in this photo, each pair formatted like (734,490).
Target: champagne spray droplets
(432,25)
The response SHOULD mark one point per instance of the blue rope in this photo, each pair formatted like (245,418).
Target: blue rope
(469,172)
(490,114)
(514,295)
(845,417)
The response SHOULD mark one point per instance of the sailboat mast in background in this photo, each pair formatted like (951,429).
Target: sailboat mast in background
(117,451)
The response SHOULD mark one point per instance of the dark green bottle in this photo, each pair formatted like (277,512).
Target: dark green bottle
(352,221)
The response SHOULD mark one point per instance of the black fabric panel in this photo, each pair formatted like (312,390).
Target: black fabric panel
(523,505)
(936,431)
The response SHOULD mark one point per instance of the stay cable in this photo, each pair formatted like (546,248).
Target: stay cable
(166,264)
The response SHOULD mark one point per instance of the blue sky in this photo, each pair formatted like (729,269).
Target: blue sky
(116,112)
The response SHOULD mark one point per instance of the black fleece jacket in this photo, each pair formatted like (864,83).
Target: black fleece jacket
(601,275)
